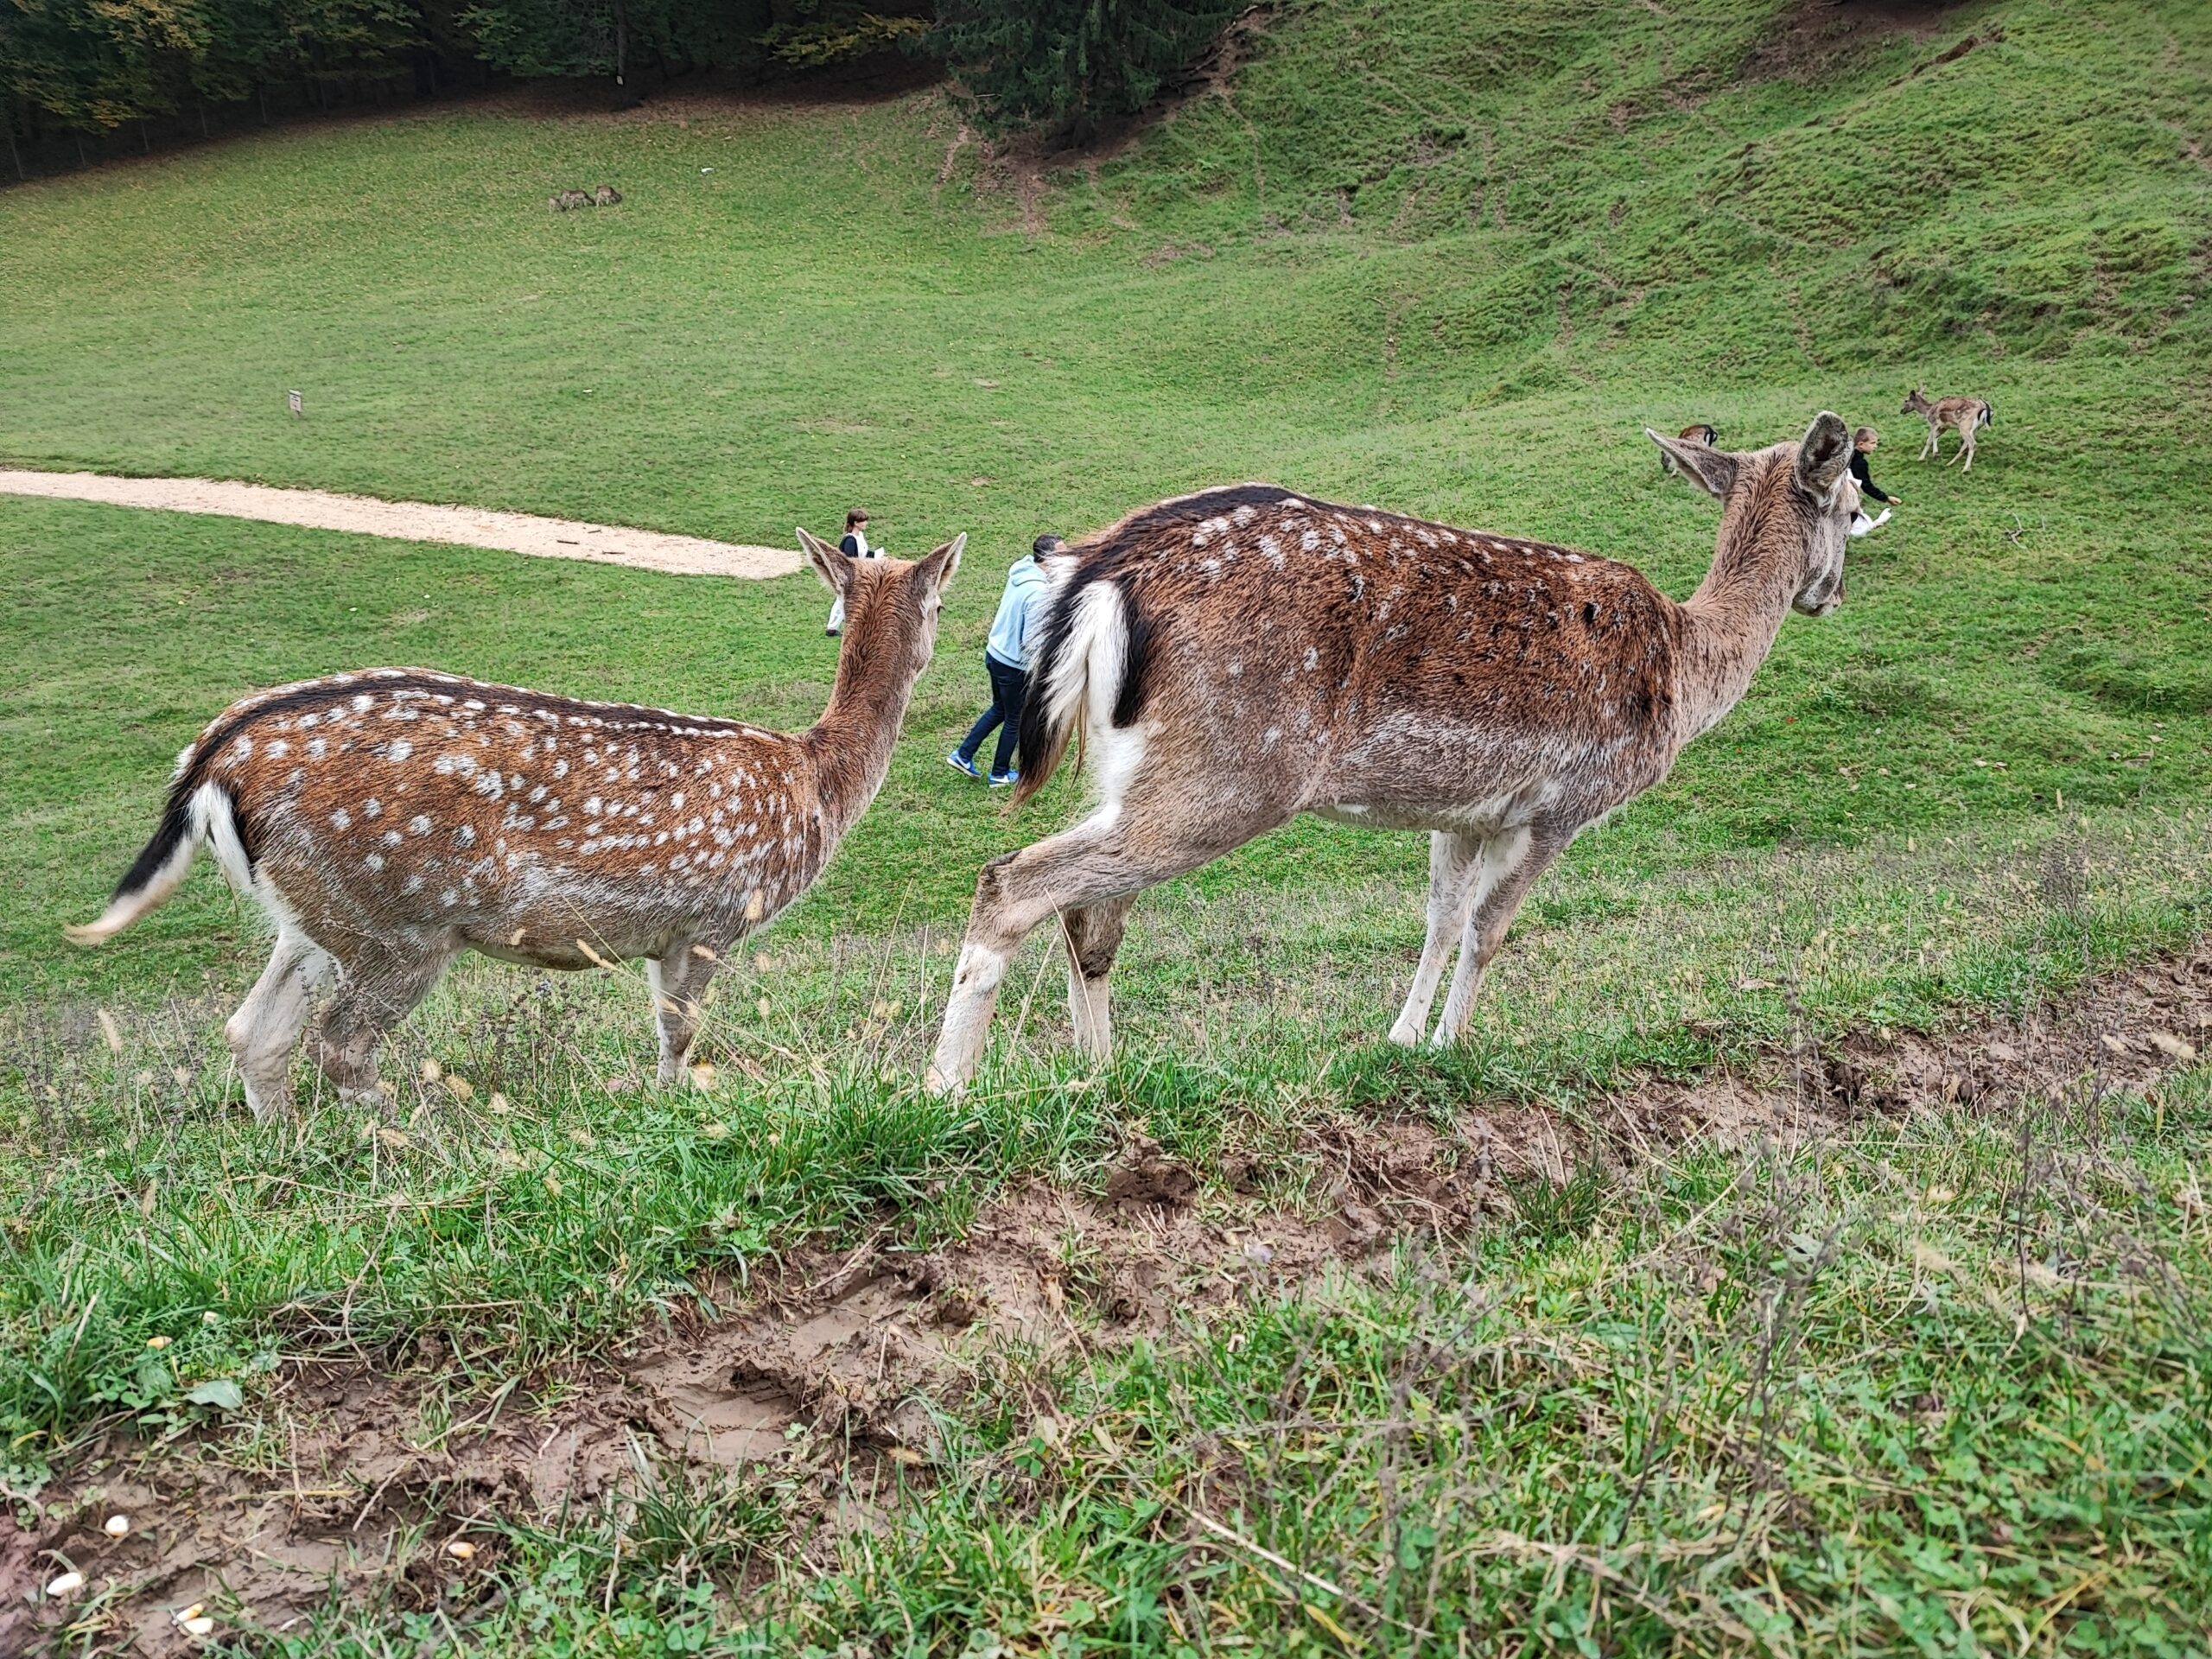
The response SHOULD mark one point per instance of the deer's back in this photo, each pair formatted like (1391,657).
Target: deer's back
(1363,658)
(402,799)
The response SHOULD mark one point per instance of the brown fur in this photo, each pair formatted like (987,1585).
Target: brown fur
(606,196)
(1236,658)
(1963,415)
(567,200)
(391,818)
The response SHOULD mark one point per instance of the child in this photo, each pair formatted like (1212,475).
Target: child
(1015,637)
(854,545)
(1863,443)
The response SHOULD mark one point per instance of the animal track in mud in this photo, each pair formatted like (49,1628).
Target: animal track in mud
(838,1357)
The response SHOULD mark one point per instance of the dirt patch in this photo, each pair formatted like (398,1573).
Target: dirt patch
(833,1357)
(366,1478)
(415,521)
(1809,40)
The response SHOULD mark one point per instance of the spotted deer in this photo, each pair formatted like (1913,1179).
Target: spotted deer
(1233,659)
(1963,415)
(389,819)
(568,201)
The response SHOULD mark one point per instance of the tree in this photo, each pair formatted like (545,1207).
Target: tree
(1072,63)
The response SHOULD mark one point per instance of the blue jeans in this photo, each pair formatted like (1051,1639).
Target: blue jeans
(1007,685)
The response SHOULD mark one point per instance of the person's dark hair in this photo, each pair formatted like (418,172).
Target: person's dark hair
(1045,544)
(1865,435)
(857,516)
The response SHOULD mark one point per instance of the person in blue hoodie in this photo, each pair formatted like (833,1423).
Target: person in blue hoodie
(1014,634)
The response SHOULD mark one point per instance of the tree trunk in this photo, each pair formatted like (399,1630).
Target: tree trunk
(204,133)
(621,41)
(81,161)
(145,145)
(7,119)
(261,97)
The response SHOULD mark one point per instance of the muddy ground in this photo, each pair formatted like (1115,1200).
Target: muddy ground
(828,1371)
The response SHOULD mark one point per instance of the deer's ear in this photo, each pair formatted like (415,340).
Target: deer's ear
(833,567)
(939,566)
(1823,454)
(1712,470)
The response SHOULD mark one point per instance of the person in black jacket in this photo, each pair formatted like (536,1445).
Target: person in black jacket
(854,545)
(1863,443)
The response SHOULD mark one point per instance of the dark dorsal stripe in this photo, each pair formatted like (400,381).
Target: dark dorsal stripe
(410,683)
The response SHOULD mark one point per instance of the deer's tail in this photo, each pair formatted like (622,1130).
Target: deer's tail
(198,812)
(1989,414)
(1084,672)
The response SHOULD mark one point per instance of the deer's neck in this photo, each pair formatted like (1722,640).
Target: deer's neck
(850,746)
(1730,623)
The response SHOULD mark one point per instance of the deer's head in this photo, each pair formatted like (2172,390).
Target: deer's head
(1915,401)
(1801,493)
(891,605)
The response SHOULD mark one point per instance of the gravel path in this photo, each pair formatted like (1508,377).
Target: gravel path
(415,521)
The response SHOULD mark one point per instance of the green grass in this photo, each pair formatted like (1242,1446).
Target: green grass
(1445,260)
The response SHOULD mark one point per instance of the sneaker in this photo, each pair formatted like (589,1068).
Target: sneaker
(960,762)
(1001,780)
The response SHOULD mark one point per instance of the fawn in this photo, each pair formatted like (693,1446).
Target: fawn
(389,819)
(1960,415)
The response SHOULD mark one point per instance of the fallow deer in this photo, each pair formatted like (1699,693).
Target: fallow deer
(568,201)
(1234,658)
(1960,415)
(606,196)
(389,819)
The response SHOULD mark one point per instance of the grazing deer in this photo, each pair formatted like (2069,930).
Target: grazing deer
(1700,433)
(1237,656)
(568,200)
(606,196)
(389,819)
(1960,414)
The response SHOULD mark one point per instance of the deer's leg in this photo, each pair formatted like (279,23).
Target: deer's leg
(1966,447)
(1509,868)
(1094,937)
(1451,859)
(1931,446)
(679,985)
(378,985)
(267,1025)
(1116,855)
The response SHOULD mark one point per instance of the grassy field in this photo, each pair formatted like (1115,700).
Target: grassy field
(1933,1382)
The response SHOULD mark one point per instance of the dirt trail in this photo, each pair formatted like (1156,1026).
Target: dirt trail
(828,1370)
(415,521)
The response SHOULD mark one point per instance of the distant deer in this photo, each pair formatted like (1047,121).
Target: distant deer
(567,200)
(606,196)
(389,819)
(1234,658)
(1960,414)
(1698,433)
